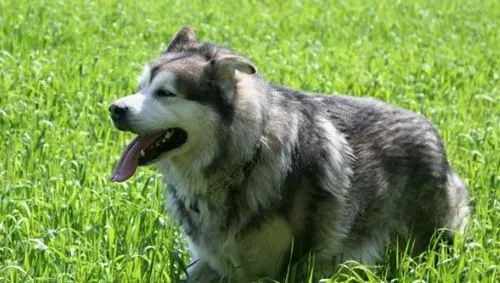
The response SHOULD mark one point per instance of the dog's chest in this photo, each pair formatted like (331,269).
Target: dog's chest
(201,217)
(216,235)
(260,249)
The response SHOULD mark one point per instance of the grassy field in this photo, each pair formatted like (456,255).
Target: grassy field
(63,62)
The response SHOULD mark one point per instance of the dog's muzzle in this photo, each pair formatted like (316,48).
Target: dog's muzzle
(119,116)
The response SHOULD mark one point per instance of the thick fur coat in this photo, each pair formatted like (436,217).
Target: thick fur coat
(269,174)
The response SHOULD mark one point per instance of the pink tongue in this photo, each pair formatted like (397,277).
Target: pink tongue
(130,158)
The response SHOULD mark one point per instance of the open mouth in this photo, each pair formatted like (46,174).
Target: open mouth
(144,150)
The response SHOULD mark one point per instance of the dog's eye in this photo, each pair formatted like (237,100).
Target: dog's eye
(164,93)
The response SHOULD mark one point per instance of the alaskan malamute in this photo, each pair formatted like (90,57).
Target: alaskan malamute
(259,175)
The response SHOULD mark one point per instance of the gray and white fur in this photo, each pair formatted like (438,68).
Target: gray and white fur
(265,167)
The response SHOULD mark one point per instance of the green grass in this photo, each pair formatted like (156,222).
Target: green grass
(63,62)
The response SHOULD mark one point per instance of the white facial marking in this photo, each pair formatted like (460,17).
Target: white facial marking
(163,80)
(148,113)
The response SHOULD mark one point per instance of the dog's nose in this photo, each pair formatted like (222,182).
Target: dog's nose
(117,111)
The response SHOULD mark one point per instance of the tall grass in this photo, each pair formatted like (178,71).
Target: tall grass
(63,62)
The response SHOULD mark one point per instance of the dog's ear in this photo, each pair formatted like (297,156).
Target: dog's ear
(182,39)
(226,67)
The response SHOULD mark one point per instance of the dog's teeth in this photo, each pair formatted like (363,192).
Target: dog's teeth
(168,134)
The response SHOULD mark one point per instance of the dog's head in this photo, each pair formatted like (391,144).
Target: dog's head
(180,97)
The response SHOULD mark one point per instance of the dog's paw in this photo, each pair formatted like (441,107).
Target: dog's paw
(200,272)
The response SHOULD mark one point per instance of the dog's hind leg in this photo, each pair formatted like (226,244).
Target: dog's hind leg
(444,210)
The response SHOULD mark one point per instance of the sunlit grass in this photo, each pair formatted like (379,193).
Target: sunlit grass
(63,62)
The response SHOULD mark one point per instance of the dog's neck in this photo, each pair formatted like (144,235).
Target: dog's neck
(194,184)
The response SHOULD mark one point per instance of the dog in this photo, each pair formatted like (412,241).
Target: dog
(259,175)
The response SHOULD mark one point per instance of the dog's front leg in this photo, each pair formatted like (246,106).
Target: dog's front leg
(199,271)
